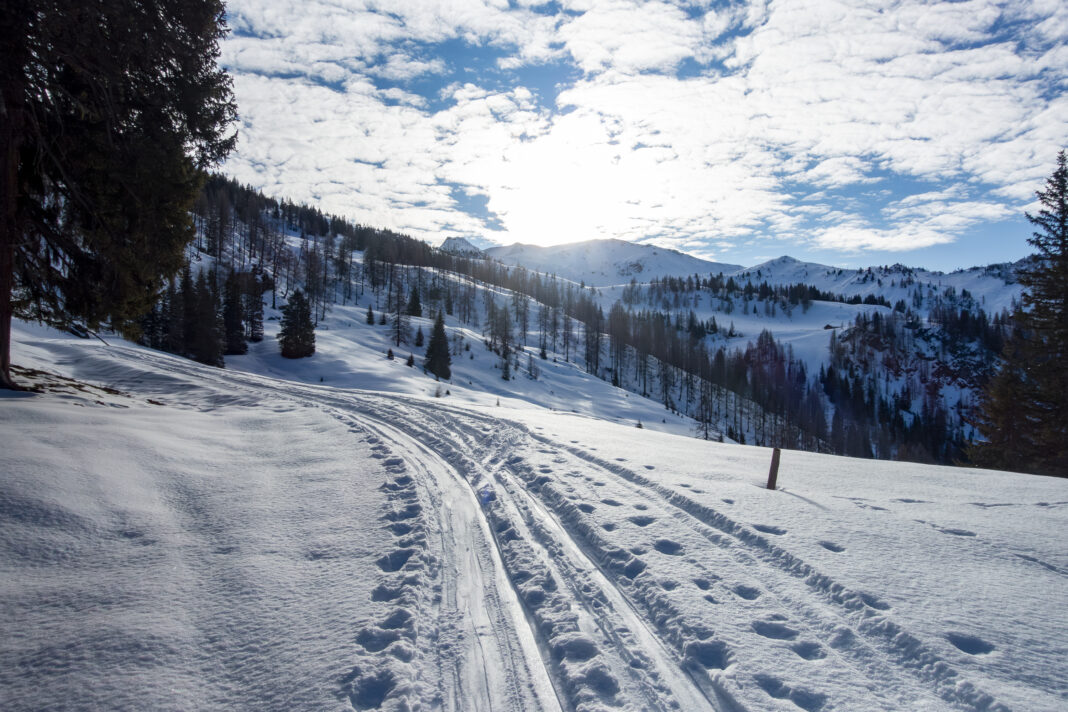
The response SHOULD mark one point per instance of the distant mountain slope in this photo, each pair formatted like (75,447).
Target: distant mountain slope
(993,287)
(601,263)
(460,246)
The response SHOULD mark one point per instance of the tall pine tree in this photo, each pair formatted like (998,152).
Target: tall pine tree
(233,327)
(438,360)
(109,111)
(297,332)
(1030,393)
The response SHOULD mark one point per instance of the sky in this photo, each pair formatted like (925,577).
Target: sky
(851,133)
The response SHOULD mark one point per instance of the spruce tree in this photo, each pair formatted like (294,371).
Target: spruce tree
(252,298)
(205,339)
(438,360)
(1002,420)
(233,327)
(370,316)
(297,332)
(1031,390)
(173,321)
(109,112)
(419,337)
(414,307)
(401,326)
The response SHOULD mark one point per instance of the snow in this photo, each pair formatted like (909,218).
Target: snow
(459,246)
(987,285)
(614,263)
(602,263)
(174,536)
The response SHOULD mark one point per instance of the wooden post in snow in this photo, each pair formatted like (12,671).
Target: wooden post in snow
(774,473)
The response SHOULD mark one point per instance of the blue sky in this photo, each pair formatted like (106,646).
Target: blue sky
(849,133)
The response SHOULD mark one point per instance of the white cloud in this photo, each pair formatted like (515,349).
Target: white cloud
(815,99)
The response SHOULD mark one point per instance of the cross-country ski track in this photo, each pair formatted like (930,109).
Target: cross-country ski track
(521,568)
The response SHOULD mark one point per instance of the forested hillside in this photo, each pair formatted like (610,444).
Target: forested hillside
(763,362)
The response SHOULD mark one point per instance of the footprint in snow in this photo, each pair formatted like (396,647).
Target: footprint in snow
(831,546)
(667,546)
(383,592)
(805,699)
(650,467)
(970,644)
(371,690)
(409,512)
(374,640)
(774,630)
(641,507)
(747,592)
(809,650)
(394,560)
(611,502)
(634,567)
(708,653)
(400,618)
(874,601)
(587,508)
(769,529)
(642,521)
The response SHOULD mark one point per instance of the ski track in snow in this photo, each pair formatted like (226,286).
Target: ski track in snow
(583,584)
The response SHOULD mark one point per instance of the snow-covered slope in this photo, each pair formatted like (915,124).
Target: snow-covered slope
(460,246)
(603,263)
(993,286)
(599,263)
(174,536)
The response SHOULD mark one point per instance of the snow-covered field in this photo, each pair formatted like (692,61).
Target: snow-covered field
(180,537)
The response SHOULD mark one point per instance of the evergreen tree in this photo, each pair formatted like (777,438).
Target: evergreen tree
(411,360)
(401,326)
(370,316)
(108,113)
(297,333)
(1031,390)
(188,296)
(438,360)
(174,334)
(414,307)
(233,328)
(253,307)
(204,337)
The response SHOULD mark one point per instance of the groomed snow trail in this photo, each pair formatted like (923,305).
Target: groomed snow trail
(527,571)
(542,590)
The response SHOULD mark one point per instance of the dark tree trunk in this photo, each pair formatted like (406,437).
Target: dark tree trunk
(10,125)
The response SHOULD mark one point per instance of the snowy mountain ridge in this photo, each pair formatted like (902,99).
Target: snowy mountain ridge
(602,263)
(611,262)
(461,247)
